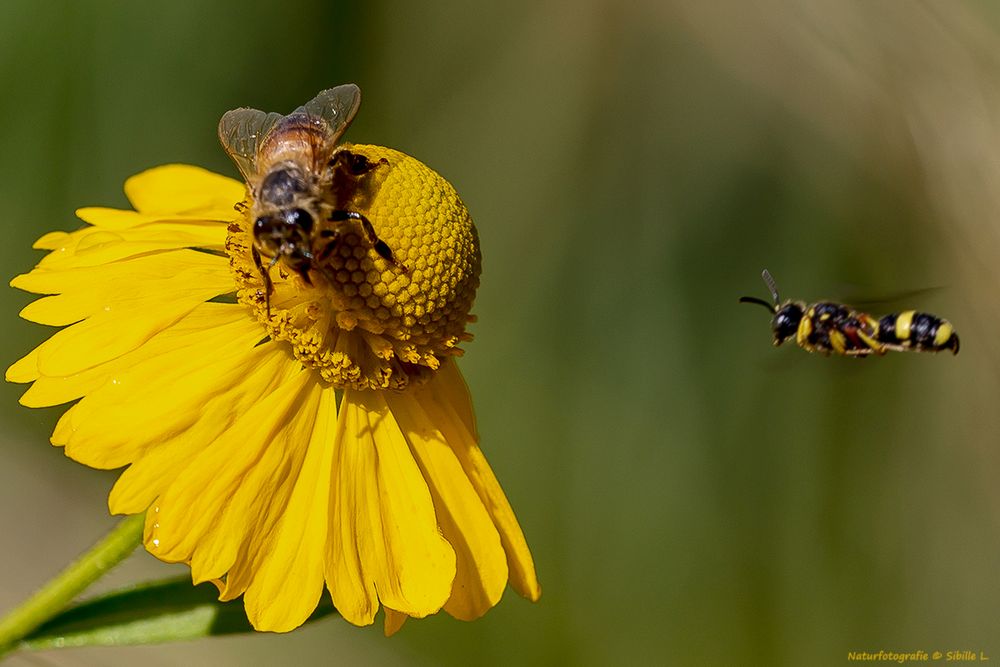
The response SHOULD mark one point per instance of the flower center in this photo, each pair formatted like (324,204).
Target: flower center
(363,316)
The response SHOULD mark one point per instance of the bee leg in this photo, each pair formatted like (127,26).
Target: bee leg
(332,237)
(265,274)
(304,274)
(354,163)
(380,246)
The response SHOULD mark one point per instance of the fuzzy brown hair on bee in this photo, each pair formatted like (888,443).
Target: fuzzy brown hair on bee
(833,328)
(300,181)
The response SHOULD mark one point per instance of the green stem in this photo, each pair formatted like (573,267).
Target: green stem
(59,592)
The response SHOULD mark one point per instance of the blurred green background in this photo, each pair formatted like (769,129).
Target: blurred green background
(691,494)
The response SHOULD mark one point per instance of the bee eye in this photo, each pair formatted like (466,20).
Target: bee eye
(299,218)
(262,223)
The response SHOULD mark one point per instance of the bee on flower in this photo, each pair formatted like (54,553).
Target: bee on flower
(273,364)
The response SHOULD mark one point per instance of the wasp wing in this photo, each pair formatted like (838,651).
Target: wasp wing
(241,132)
(337,106)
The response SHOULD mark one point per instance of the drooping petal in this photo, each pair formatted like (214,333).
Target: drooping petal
(158,463)
(383,500)
(231,493)
(451,389)
(288,581)
(161,393)
(276,482)
(353,593)
(438,401)
(481,568)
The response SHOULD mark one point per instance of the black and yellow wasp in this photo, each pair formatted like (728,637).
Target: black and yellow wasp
(827,327)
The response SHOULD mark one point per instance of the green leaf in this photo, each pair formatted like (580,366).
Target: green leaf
(153,613)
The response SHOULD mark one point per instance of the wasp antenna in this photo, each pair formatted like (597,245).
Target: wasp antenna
(753,299)
(769,281)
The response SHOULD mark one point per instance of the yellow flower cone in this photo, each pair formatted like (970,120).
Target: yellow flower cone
(324,438)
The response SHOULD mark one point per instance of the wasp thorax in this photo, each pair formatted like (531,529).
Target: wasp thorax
(786,321)
(384,296)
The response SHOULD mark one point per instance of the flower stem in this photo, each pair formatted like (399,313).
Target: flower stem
(54,596)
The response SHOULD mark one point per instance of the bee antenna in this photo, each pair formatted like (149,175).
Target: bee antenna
(771,286)
(753,299)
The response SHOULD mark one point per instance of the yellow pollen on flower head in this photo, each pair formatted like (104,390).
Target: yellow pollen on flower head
(366,322)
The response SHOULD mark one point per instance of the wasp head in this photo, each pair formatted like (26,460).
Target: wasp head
(787,316)
(786,321)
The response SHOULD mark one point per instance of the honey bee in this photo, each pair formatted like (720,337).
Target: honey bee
(827,327)
(300,181)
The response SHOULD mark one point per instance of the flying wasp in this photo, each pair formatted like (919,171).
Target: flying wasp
(299,180)
(827,327)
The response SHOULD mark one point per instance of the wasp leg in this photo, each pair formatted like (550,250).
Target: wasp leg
(380,246)
(838,341)
(805,328)
(877,347)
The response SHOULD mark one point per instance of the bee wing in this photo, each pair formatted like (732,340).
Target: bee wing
(337,106)
(241,132)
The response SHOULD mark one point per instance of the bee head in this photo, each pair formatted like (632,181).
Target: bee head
(786,321)
(285,233)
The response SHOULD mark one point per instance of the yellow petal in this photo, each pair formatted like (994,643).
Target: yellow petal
(415,566)
(157,464)
(288,582)
(451,389)
(181,188)
(120,219)
(264,494)
(235,488)
(49,391)
(63,430)
(481,569)
(161,390)
(50,241)
(398,544)
(55,311)
(54,390)
(93,246)
(353,593)
(119,276)
(24,369)
(126,322)
(439,401)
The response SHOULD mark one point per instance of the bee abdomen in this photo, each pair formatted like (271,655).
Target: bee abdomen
(917,331)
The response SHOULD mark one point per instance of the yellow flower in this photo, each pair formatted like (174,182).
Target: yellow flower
(325,437)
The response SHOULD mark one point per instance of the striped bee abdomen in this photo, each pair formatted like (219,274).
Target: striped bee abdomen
(921,332)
